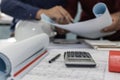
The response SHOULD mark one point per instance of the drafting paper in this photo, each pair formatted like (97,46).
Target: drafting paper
(90,28)
(58,70)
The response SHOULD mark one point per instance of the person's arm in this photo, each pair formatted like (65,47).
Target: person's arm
(18,9)
(57,13)
(115,24)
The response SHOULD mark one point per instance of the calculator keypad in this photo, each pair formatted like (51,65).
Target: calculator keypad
(79,58)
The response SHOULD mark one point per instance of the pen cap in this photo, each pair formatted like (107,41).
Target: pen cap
(114,61)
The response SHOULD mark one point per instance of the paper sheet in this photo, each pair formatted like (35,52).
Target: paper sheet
(91,28)
(103,44)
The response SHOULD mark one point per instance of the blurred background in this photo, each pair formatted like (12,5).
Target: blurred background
(6,20)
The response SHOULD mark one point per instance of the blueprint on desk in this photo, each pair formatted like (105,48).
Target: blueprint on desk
(58,71)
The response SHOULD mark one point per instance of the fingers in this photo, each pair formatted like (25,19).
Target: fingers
(109,29)
(61,31)
(60,15)
(114,27)
(65,14)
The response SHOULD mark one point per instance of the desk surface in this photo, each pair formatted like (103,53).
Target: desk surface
(58,71)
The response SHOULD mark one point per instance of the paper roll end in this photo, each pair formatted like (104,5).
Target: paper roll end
(5,66)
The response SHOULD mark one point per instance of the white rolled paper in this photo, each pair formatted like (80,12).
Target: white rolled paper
(20,57)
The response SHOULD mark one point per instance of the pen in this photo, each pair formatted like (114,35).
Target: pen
(54,58)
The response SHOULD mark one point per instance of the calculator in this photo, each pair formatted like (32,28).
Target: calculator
(78,59)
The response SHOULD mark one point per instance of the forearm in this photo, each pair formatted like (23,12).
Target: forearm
(18,9)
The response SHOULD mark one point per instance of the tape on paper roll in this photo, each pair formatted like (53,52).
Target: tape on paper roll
(114,61)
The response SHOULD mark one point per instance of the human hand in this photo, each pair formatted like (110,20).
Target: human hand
(115,23)
(60,31)
(58,14)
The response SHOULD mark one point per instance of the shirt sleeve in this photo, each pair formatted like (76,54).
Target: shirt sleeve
(18,9)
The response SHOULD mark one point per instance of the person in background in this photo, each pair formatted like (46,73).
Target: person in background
(62,11)
(113,7)
(31,10)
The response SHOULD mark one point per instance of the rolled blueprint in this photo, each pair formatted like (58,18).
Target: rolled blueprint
(90,28)
(20,57)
